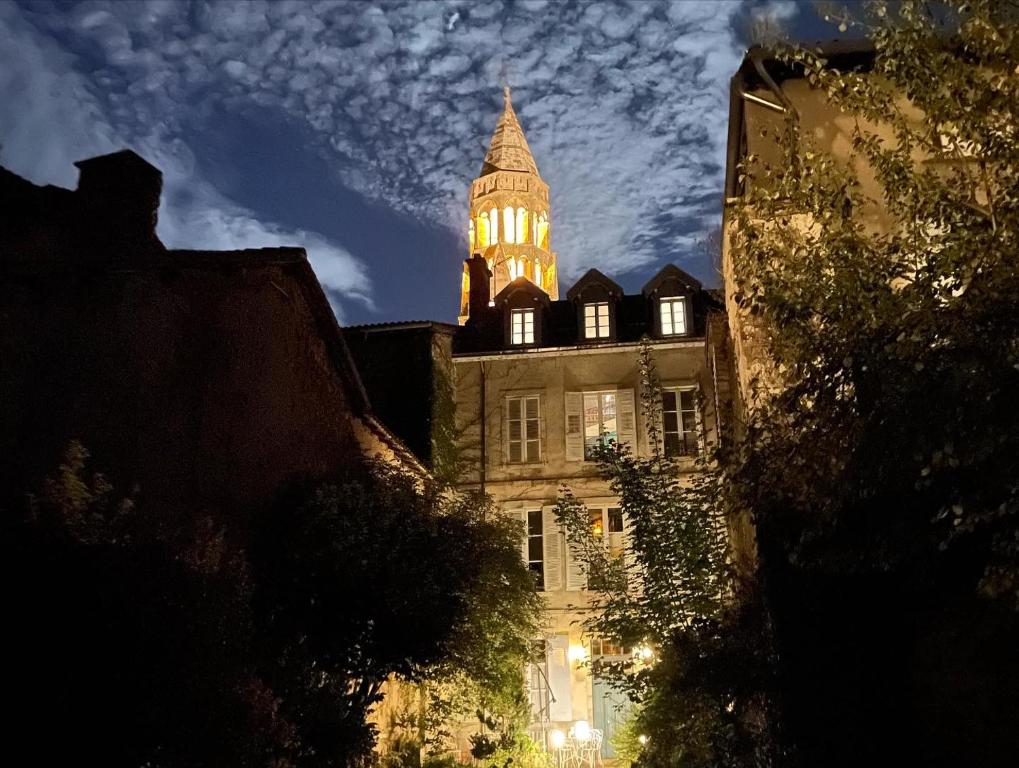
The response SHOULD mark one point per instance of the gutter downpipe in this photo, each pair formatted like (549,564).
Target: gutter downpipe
(484,420)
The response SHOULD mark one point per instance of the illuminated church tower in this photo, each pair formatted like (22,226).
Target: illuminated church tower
(510,223)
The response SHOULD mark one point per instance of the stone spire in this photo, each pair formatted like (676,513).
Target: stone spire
(508,150)
(510,223)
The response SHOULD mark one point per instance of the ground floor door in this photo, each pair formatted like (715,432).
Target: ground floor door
(611,707)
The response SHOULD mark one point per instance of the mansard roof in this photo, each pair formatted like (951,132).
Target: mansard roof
(509,150)
(670,272)
(593,277)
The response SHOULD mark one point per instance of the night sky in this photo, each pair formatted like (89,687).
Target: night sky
(354,129)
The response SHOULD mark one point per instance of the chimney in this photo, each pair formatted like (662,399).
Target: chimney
(479,277)
(118,201)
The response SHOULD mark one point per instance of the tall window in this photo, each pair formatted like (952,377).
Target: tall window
(596,320)
(599,421)
(493,227)
(522,326)
(523,429)
(679,422)
(523,235)
(607,528)
(509,225)
(673,316)
(536,548)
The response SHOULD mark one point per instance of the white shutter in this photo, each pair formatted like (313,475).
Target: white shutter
(559,678)
(576,578)
(553,551)
(574,426)
(627,427)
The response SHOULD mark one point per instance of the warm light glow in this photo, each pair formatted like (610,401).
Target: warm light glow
(644,653)
(543,232)
(576,653)
(537,274)
(470,229)
(558,739)
(493,226)
(642,739)
(484,236)
(522,234)
(509,229)
(582,730)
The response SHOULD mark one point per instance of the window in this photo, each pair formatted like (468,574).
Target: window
(537,681)
(599,421)
(523,429)
(602,647)
(508,225)
(536,548)
(607,528)
(596,320)
(679,422)
(522,326)
(673,316)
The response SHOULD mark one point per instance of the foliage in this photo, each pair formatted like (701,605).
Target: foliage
(149,644)
(881,458)
(674,593)
(519,751)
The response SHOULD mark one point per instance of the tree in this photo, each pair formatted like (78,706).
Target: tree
(145,644)
(881,460)
(700,670)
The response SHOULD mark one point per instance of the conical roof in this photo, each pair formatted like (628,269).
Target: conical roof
(508,150)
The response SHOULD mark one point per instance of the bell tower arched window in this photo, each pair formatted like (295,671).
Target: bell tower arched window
(509,225)
(493,217)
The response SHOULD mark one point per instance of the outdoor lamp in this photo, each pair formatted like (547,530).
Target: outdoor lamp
(582,730)
(558,739)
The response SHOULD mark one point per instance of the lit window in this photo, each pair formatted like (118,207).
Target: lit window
(523,429)
(537,274)
(493,228)
(484,231)
(509,225)
(602,647)
(536,548)
(470,233)
(522,326)
(596,320)
(599,421)
(679,422)
(607,529)
(543,232)
(673,316)
(522,234)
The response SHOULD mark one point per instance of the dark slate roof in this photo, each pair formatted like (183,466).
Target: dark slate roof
(561,320)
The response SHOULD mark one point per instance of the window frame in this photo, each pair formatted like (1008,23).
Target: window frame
(671,302)
(698,429)
(537,573)
(523,440)
(600,393)
(524,313)
(600,331)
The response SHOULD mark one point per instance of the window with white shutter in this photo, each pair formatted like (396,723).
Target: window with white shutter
(608,417)
(560,679)
(552,550)
(574,426)
(523,429)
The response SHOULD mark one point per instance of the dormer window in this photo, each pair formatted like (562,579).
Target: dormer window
(522,326)
(673,314)
(596,320)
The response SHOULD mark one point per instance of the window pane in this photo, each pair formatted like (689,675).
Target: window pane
(534,522)
(671,423)
(597,525)
(532,407)
(666,318)
(672,444)
(514,452)
(532,429)
(668,400)
(534,551)
(689,422)
(532,450)
(686,399)
(514,430)
(538,569)
(514,408)
(615,520)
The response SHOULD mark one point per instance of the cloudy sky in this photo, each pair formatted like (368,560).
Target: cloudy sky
(354,128)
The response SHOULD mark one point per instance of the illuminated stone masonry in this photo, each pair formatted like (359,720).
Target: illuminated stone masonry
(510,214)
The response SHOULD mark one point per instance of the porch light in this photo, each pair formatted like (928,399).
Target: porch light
(576,653)
(558,739)
(582,730)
